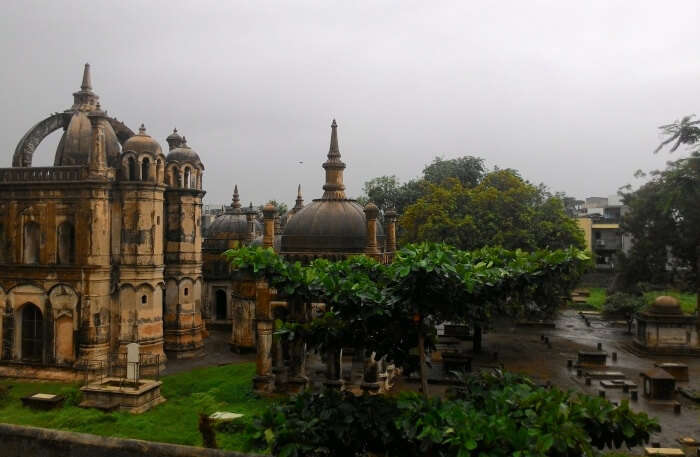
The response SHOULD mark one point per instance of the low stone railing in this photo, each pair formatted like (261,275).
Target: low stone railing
(34,174)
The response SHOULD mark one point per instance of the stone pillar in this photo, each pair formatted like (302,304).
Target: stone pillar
(390,218)
(334,369)
(263,382)
(250,218)
(371,212)
(269,212)
(278,368)
(297,380)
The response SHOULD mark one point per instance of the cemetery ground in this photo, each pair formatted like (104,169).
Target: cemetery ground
(225,385)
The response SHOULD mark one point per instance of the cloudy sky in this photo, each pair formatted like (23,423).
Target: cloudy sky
(568,92)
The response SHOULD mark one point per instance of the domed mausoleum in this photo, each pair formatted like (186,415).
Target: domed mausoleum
(663,328)
(99,251)
(335,226)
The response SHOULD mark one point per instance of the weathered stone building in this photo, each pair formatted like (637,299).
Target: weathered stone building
(100,250)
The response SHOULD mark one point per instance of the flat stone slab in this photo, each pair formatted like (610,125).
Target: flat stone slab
(42,401)
(664,451)
(605,374)
(225,416)
(618,384)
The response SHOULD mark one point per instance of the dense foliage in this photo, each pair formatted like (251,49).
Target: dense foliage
(387,192)
(664,216)
(394,308)
(502,210)
(497,415)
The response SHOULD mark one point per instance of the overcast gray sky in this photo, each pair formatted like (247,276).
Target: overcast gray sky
(568,92)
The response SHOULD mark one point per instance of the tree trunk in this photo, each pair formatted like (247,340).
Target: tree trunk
(476,340)
(423,366)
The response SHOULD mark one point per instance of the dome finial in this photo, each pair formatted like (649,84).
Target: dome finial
(300,200)
(142,129)
(334,189)
(87,83)
(236,202)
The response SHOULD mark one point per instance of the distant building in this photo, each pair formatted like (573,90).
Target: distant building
(599,218)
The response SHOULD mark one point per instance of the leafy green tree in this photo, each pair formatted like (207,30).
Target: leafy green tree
(625,306)
(502,210)
(387,192)
(664,216)
(467,169)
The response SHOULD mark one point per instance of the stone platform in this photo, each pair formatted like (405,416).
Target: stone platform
(117,394)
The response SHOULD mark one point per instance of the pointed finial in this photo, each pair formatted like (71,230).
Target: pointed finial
(299,191)
(87,84)
(334,150)
(175,130)
(236,201)
(142,129)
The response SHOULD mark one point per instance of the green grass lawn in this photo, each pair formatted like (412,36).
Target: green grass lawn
(597,296)
(224,388)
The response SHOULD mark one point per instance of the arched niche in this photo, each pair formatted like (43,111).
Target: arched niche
(31,242)
(65,249)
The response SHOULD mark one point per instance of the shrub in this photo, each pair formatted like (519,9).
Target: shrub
(494,414)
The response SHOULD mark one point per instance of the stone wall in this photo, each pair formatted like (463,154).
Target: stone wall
(20,441)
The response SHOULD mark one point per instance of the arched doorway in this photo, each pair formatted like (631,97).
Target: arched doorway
(32,333)
(221,306)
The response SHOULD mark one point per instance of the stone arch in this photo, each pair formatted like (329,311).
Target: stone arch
(31,333)
(26,146)
(145,168)
(159,170)
(132,169)
(220,304)
(30,141)
(187,177)
(65,249)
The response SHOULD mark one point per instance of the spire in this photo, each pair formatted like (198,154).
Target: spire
(85,99)
(334,189)
(300,200)
(334,150)
(236,201)
(87,82)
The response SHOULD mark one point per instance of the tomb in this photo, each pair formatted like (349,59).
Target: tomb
(42,401)
(658,384)
(129,393)
(678,370)
(604,374)
(618,384)
(592,358)
(664,329)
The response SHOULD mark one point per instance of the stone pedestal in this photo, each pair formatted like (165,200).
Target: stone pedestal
(371,383)
(279,371)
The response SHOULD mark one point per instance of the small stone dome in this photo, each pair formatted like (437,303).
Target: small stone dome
(231,225)
(174,137)
(142,143)
(76,143)
(184,153)
(665,304)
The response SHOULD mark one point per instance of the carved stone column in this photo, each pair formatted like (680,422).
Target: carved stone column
(263,382)
(371,212)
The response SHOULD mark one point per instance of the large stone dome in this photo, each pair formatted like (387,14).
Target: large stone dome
(333,223)
(76,142)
